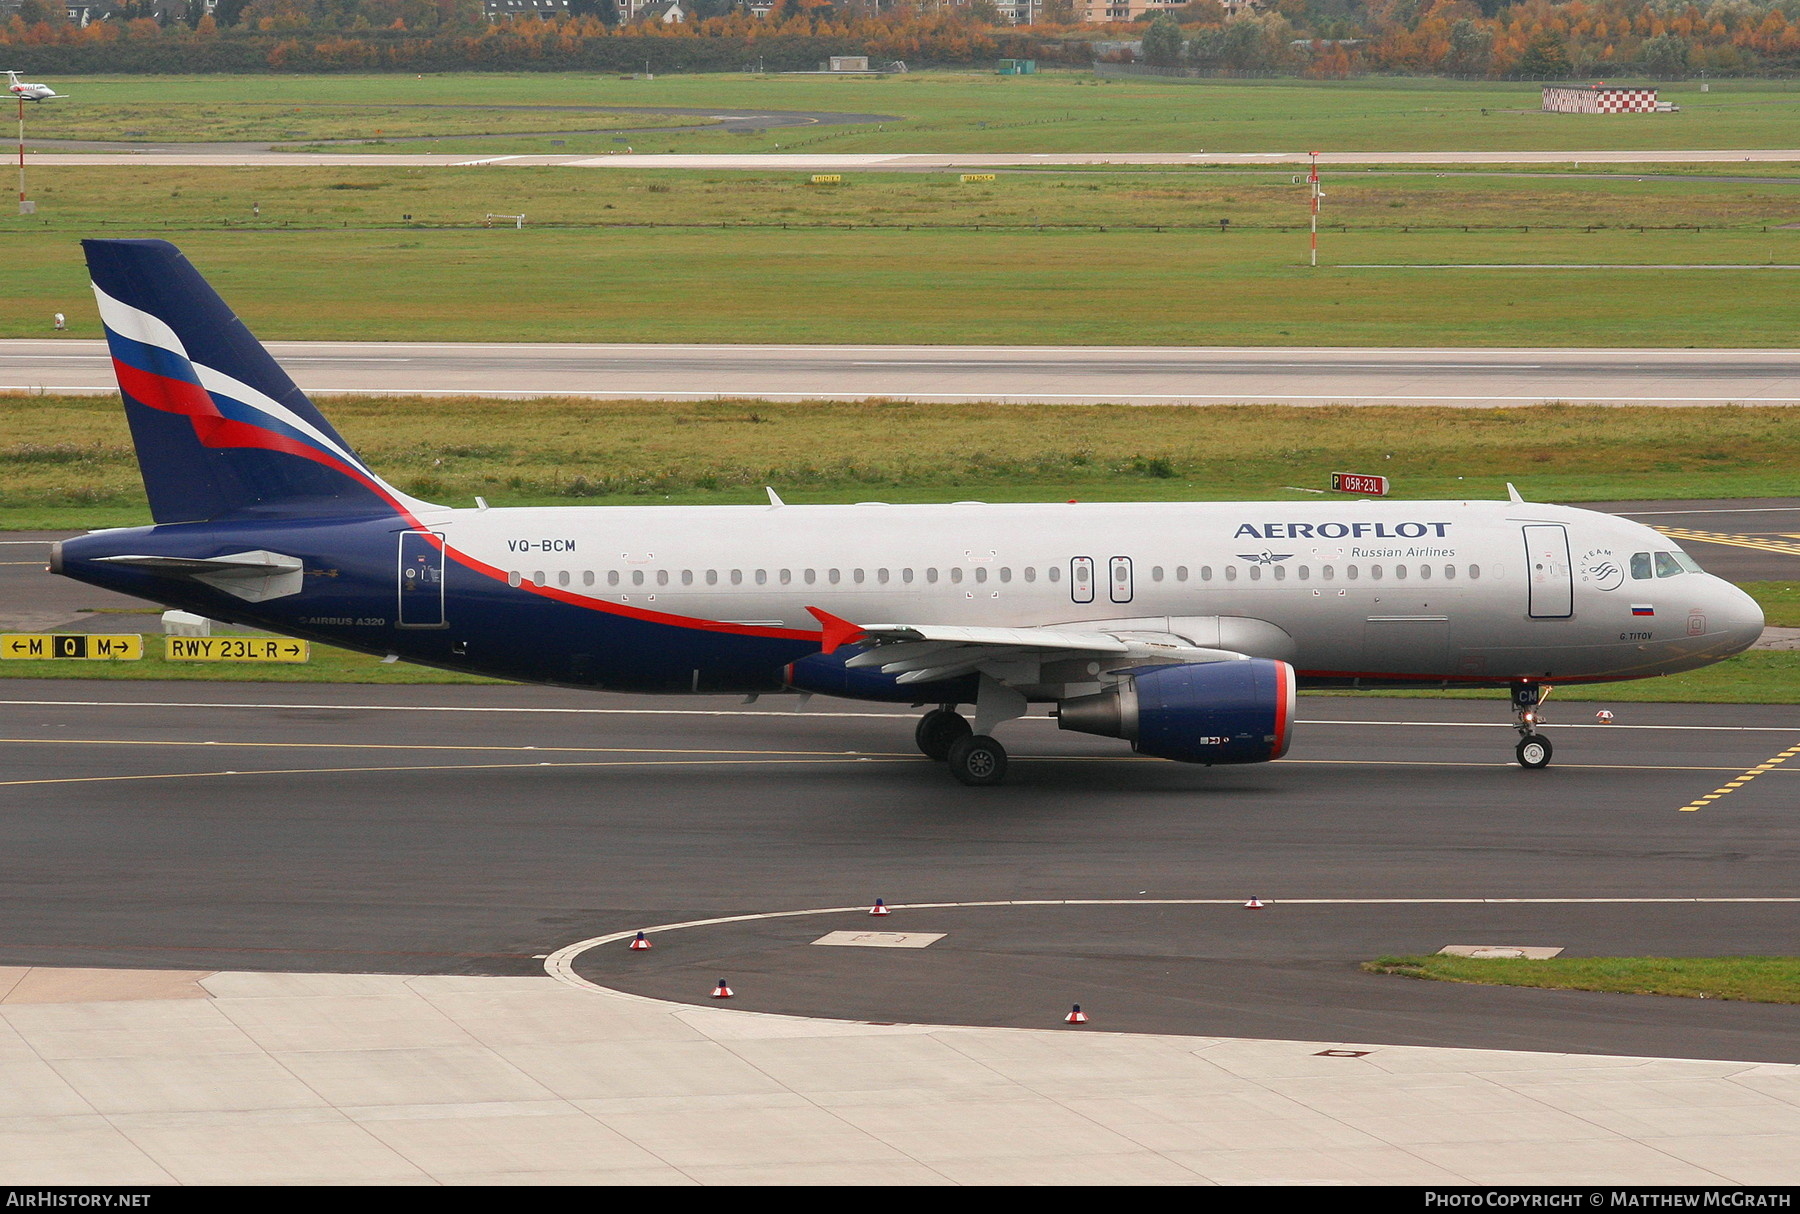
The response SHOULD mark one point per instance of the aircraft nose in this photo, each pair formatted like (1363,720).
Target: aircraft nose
(1738,616)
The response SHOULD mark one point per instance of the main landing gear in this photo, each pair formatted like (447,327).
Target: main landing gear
(973,758)
(1534,749)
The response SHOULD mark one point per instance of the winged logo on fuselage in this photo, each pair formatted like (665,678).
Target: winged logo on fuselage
(1265,557)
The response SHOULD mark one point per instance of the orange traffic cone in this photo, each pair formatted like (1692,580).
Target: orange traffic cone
(1253,904)
(721,991)
(880,908)
(640,943)
(1075,1016)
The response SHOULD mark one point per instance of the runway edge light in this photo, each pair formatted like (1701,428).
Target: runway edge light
(640,943)
(1076,1016)
(721,991)
(880,908)
(1254,904)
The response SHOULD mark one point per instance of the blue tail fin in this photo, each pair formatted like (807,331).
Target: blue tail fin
(220,429)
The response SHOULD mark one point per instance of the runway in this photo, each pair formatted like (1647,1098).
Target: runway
(480,830)
(1475,378)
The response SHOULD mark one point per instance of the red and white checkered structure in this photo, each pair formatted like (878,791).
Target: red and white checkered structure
(1599,99)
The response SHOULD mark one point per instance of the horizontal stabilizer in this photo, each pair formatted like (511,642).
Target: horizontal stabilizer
(252,576)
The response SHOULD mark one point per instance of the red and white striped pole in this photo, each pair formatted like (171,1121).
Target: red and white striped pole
(1312,182)
(21,153)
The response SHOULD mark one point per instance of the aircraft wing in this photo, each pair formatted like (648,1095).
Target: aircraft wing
(924,653)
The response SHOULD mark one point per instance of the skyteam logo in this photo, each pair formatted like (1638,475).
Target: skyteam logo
(1265,557)
(1600,569)
(1338,531)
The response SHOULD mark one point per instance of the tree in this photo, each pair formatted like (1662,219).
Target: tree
(985,11)
(1545,59)
(1162,42)
(1664,56)
(1471,49)
(1057,12)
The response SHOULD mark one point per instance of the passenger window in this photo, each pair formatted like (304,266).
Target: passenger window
(1474,573)
(1156,573)
(1305,573)
(737,577)
(1005,574)
(1375,573)
(538,578)
(712,577)
(1055,573)
(513,578)
(562,578)
(1329,572)
(637,577)
(1231,573)
(810,576)
(762,577)
(787,577)
(956,575)
(1350,572)
(1281,573)
(612,577)
(587,577)
(1031,573)
(1449,572)
(1400,572)
(906,575)
(1206,573)
(1667,565)
(832,576)
(1181,573)
(1425,571)
(980,574)
(931,573)
(662,577)
(687,577)
(1640,565)
(1256,573)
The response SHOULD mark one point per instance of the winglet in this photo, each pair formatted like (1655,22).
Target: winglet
(834,632)
(774,497)
(1513,494)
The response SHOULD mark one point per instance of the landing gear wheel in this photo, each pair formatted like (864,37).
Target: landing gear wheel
(1534,751)
(978,760)
(938,731)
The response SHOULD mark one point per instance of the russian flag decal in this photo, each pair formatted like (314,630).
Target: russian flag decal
(1642,609)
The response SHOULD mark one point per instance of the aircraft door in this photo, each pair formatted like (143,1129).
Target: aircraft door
(1551,594)
(421,580)
(1081,579)
(1119,581)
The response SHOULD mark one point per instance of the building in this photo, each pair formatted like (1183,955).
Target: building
(1103,11)
(1599,99)
(513,10)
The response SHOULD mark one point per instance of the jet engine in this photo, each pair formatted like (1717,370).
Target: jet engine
(1215,712)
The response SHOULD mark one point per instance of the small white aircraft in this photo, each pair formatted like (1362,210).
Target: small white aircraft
(30,92)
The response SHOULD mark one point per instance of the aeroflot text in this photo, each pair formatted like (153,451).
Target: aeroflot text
(1616,1199)
(1337,531)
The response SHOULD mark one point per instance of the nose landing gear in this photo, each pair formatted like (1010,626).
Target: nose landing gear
(1534,749)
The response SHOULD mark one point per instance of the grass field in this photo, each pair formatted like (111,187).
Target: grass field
(937,111)
(66,461)
(1749,979)
(953,287)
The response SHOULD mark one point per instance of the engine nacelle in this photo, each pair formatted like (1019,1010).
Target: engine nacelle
(1217,712)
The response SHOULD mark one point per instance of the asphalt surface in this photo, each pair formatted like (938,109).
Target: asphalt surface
(473,830)
(1131,375)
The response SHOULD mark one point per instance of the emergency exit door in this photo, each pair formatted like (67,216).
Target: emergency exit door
(421,577)
(1551,578)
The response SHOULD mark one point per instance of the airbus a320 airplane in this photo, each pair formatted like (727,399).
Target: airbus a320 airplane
(1183,629)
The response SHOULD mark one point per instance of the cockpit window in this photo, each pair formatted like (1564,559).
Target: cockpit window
(1640,566)
(1687,562)
(1667,565)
